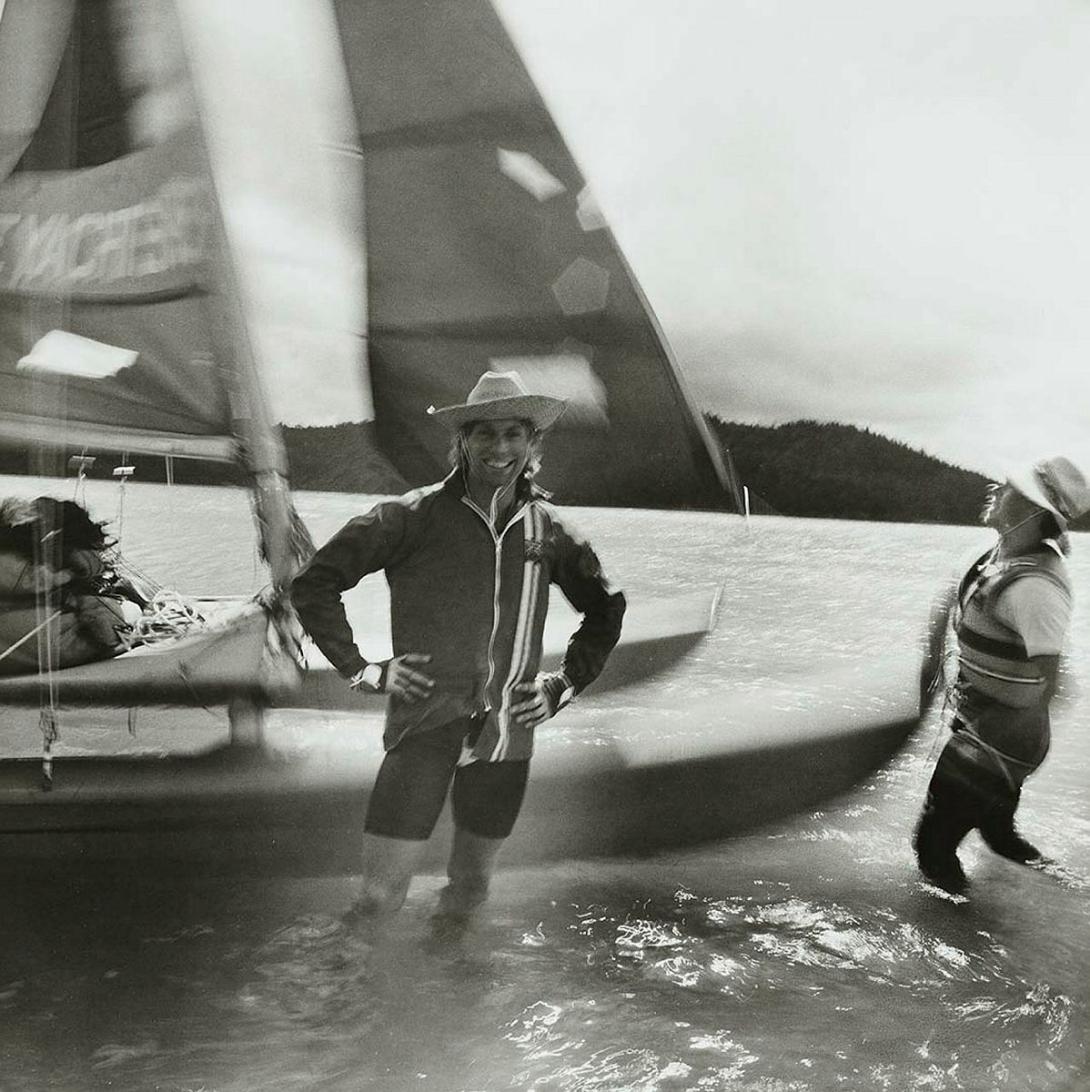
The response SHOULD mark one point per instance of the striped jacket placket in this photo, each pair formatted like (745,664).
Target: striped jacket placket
(496,743)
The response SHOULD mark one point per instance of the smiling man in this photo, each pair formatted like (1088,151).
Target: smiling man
(1011,613)
(469,561)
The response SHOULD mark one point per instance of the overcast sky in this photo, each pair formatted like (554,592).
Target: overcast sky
(873,213)
(852,211)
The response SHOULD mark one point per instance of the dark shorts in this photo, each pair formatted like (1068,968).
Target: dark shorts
(414,779)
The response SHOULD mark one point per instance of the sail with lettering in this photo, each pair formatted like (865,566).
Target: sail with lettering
(122,325)
(485,249)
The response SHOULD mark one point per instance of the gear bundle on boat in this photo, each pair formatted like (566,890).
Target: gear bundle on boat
(81,626)
(62,603)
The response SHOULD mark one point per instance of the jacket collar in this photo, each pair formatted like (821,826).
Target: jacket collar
(455,485)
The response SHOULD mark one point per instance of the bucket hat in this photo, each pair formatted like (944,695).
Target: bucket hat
(1055,484)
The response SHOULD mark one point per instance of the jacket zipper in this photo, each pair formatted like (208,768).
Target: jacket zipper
(497,540)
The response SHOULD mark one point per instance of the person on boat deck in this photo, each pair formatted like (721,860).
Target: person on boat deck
(53,564)
(468,561)
(1011,613)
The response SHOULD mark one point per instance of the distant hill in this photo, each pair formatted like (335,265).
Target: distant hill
(809,468)
(805,468)
(340,459)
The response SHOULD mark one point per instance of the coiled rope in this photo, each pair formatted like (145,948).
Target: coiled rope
(169,614)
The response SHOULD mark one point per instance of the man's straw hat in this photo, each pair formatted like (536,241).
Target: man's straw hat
(499,395)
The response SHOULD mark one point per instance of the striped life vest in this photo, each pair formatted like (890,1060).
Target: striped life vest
(992,658)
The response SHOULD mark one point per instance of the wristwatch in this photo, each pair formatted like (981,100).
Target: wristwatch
(370,678)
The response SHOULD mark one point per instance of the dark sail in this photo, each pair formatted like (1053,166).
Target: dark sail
(484,250)
(104,246)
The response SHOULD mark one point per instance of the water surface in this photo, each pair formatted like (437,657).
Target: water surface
(804,957)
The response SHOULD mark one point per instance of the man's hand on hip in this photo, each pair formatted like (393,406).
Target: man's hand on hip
(404,681)
(546,694)
(398,677)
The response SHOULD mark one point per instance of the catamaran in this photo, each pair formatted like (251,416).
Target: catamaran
(125,326)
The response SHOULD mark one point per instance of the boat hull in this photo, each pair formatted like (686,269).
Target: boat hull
(656,635)
(610,782)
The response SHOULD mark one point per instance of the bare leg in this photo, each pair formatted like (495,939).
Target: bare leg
(472,859)
(486,796)
(388,868)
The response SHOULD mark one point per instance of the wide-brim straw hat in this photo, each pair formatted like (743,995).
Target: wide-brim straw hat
(1055,484)
(500,395)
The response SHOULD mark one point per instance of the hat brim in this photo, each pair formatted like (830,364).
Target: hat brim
(1024,480)
(540,409)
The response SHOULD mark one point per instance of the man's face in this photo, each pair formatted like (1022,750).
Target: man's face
(498,450)
(1005,507)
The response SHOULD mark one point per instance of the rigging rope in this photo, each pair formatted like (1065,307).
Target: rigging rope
(122,473)
(46,548)
(26,636)
(81,461)
(169,614)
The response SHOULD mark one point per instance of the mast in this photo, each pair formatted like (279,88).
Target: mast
(263,450)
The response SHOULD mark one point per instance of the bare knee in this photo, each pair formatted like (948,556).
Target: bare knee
(388,867)
(472,861)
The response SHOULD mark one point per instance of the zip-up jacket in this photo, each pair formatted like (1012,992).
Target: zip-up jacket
(1002,694)
(470,596)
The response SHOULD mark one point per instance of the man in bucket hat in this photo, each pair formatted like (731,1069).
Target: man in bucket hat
(1011,613)
(468,561)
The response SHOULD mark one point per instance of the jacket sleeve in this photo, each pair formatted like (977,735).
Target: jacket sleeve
(364,545)
(578,573)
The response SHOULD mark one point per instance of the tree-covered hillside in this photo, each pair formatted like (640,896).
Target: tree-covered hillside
(340,459)
(808,468)
(805,468)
